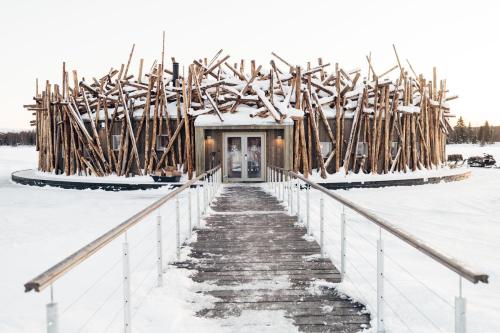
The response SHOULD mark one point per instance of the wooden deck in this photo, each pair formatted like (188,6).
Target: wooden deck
(257,258)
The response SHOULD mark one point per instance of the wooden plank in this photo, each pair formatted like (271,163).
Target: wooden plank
(220,259)
(130,130)
(214,106)
(187,131)
(244,90)
(319,156)
(268,104)
(338,137)
(169,146)
(306,167)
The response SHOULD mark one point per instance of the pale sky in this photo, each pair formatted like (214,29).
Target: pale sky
(461,38)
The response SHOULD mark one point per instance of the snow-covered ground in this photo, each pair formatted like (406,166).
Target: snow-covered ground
(461,219)
(39,226)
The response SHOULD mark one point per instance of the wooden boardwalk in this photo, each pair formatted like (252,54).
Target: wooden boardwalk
(257,258)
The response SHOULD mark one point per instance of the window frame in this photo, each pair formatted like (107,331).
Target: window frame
(158,142)
(118,141)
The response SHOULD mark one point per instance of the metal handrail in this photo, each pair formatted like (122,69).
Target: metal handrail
(443,259)
(55,272)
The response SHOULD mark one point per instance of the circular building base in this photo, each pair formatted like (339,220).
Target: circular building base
(113,183)
(335,182)
(338,182)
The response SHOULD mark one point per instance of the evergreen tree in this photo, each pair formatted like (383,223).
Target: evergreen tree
(487,132)
(471,134)
(480,135)
(460,131)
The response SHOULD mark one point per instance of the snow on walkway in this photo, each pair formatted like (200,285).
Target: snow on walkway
(251,272)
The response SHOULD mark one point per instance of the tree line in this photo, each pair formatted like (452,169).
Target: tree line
(485,134)
(18,138)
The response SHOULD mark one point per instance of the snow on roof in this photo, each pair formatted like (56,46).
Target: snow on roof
(244,115)
(409,108)
(257,98)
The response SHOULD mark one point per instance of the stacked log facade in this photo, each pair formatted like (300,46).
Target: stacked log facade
(126,123)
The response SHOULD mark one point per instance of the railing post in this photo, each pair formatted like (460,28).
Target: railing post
(273,179)
(177,228)
(380,284)
(52,314)
(218,181)
(198,216)
(299,219)
(321,224)
(159,253)
(270,178)
(342,243)
(278,179)
(209,190)
(267,178)
(308,210)
(212,187)
(190,208)
(460,310)
(282,184)
(126,286)
(205,196)
(278,185)
(215,184)
(288,196)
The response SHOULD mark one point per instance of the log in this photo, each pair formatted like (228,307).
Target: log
(169,146)
(130,130)
(305,165)
(187,135)
(214,106)
(319,156)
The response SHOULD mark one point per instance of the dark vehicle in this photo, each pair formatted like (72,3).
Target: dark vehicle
(484,161)
(166,179)
(455,158)
(169,175)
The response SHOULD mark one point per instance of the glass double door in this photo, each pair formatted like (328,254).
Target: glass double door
(244,156)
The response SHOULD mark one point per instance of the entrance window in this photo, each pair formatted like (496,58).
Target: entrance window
(254,149)
(234,157)
(244,156)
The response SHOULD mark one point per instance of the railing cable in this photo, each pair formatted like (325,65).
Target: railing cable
(412,304)
(99,279)
(101,305)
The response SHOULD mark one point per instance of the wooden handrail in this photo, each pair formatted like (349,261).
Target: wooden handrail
(443,259)
(55,272)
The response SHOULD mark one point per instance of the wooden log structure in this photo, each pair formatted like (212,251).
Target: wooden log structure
(342,121)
